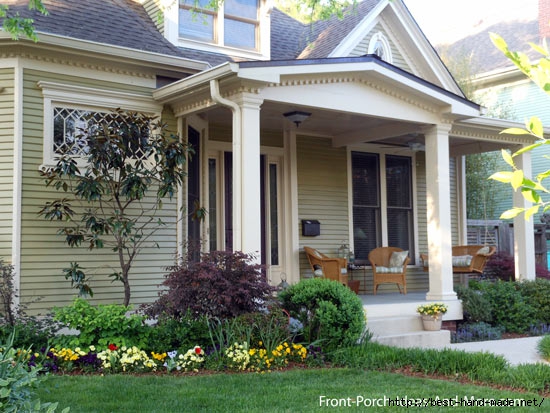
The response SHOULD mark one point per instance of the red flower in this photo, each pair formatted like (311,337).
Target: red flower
(198,350)
(112,347)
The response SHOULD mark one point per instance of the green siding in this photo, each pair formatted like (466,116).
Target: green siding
(44,253)
(322,195)
(7,128)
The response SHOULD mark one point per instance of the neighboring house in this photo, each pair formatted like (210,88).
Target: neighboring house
(376,159)
(502,88)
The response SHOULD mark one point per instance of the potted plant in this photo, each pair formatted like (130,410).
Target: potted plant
(432,315)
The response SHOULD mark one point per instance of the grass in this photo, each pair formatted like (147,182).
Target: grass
(289,391)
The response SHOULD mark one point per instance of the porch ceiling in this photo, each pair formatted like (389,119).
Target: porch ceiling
(352,129)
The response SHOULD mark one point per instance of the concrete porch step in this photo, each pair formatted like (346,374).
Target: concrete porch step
(424,339)
(385,326)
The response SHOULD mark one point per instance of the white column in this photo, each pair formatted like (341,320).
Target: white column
(524,231)
(246,177)
(438,194)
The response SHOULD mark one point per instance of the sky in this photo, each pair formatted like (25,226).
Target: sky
(445,21)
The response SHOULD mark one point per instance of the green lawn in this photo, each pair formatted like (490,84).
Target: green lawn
(290,391)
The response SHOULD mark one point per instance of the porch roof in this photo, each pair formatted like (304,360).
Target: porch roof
(353,100)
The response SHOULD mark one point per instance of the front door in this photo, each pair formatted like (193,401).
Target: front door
(220,216)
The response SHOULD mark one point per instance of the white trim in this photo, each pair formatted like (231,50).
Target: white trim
(17,180)
(461,196)
(292,239)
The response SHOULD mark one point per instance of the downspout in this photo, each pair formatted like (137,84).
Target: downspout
(237,160)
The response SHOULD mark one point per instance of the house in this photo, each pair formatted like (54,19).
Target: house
(499,85)
(376,155)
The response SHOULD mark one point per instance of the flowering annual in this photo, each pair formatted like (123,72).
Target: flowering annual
(433,309)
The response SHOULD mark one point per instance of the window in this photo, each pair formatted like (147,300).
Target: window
(73,127)
(380,47)
(70,109)
(235,23)
(381,217)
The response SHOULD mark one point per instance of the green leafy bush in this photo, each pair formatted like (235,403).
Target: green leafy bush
(544,347)
(509,308)
(178,334)
(537,293)
(17,381)
(329,311)
(101,325)
(476,307)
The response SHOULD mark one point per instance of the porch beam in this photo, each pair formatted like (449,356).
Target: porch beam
(524,238)
(438,201)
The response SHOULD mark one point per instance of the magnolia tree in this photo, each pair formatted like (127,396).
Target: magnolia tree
(533,189)
(113,198)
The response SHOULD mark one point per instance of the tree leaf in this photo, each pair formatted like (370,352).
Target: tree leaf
(507,158)
(511,213)
(531,211)
(516,131)
(517,179)
(531,195)
(535,126)
(503,176)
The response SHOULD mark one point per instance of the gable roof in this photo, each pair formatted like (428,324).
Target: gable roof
(123,23)
(328,34)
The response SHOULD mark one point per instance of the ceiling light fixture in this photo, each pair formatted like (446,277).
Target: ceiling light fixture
(297,117)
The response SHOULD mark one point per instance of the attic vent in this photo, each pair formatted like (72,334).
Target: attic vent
(380,46)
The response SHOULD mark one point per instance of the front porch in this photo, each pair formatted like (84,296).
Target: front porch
(393,320)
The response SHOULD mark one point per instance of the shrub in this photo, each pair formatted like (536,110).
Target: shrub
(222,284)
(502,266)
(17,381)
(329,311)
(510,309)
(544,347)
(178,334)
(476,307)
(537,293)
(476,332)
(101,325)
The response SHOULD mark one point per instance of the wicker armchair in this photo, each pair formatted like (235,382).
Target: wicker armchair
(324,266)
(384,270)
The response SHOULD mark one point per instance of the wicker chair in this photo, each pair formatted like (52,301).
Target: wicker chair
(324,266)
(384,272)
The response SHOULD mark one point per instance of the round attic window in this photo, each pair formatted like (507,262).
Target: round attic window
(380,46)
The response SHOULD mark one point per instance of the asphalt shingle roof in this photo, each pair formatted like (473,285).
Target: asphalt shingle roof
(484,56)
(122,23)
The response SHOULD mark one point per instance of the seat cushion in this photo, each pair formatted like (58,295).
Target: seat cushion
(462,261)
(389,270)
(483,251)
(317,271)
(398,258)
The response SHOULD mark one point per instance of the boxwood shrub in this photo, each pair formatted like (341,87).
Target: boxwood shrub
(332,315)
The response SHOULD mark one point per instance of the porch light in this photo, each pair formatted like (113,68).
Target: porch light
(297,117)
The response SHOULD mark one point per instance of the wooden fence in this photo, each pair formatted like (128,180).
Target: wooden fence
(501,235)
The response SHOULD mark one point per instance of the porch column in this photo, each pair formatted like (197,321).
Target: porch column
(438,201)
(524,231)
(246,177)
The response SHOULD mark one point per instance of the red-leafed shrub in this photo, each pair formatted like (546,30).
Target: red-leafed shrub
(222,284)
(502,265)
